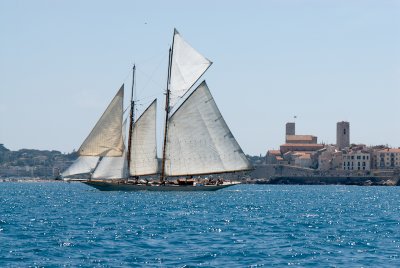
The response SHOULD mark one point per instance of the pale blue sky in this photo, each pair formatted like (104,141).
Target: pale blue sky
(61,62)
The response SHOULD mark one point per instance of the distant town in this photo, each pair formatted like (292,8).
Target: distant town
(29,163)
(305,151)
(301,156)
(298,160)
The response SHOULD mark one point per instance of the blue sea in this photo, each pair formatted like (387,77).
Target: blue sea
(59,224)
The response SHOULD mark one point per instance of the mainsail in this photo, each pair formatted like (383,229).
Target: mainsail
(199,141)
(187,66)
(106,137)
(143,160)
(82,165)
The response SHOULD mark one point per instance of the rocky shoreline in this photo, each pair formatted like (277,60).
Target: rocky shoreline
(349,180)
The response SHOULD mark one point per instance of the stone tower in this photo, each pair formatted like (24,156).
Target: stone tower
(290,128)
(342,135)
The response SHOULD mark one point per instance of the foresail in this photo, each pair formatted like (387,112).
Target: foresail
(111,168)
(187,66)
(144,144)
(82,165)
(106,137)
(199,140)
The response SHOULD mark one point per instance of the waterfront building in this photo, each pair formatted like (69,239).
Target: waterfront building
(387,158)
(303,160)
(291,136)
(299,150)
(356,160)
(343,135)
(290,128)
(301,139)
(295,142)
(330,158)
(287,147)
(271,157)
(275,157)
(299,158)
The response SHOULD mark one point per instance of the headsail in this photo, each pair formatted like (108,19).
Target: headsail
(199,140)
(106,137)
(187,66)
(82,165)
(113,167)
(144,144)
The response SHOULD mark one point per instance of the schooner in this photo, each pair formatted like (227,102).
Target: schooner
(196,141)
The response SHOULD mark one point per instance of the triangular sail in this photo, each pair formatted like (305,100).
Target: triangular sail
(82,165)
(199,141)
(106,137)
(144,144)
(187,66)
(113,167)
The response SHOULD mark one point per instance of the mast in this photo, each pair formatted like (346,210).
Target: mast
(167,97)
(131,119)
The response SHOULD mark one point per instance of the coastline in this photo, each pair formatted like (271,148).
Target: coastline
(329,180)
(23,179)
(278,180)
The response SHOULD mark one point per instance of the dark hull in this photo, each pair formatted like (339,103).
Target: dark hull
(113,186)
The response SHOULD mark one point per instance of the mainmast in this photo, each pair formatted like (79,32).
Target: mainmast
(131,119)
(167,98)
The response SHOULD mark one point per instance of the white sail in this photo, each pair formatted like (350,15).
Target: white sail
(199,141)
(106,137)
(82,165)
(111,168)
(187,66)
(143,144)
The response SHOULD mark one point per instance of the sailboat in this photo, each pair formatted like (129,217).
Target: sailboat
(197,141)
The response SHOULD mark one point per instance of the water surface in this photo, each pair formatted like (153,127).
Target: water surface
(71,224)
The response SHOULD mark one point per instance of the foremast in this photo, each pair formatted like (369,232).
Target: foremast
(131,119)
